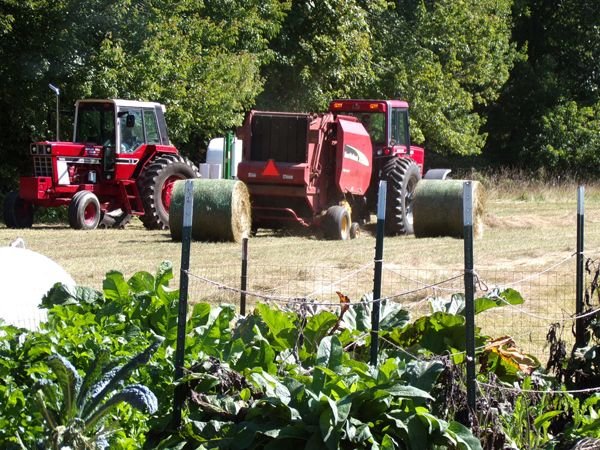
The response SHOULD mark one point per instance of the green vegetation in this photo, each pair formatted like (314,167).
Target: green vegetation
(278,377)
(514,81)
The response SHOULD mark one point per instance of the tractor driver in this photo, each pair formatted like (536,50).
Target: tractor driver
(131,132)
(127,140)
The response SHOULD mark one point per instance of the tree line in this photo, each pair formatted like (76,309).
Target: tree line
(501,82)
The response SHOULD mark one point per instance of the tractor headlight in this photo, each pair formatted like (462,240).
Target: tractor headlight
(48,149)
(33,149)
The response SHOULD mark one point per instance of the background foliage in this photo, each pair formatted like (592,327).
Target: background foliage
(516,81)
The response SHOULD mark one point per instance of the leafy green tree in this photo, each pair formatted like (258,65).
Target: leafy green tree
(201,59)
(450,60)
(324,51)
(562,44)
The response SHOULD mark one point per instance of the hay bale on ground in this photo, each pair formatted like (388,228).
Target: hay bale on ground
(221,210)
(438,208)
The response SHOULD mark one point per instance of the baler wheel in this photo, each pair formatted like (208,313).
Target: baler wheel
(402,176)
(156,186)
(337,223)
(18,213)
(84,211)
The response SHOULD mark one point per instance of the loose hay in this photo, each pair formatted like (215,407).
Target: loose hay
(438,208)
(221,210)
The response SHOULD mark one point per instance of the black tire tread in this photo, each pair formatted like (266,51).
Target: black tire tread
(12,219)
(397,172)
(152,219)
(74,210)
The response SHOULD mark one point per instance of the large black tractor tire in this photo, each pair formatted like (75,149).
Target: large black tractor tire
(402,176)
(18,213)
(337,223)
(156,186)
(84,211)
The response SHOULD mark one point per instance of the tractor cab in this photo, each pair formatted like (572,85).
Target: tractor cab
(121,124)
(119,127)
(387,123)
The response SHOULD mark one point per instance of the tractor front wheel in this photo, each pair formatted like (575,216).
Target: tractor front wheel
(337,223)
(18,213)
(402,176)
(84,211)
(156,186)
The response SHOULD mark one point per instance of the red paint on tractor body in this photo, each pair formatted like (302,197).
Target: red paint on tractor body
(108,169)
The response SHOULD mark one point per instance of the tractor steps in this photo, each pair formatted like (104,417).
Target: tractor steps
(131,197)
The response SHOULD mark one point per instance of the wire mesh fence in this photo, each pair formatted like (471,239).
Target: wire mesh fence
(549,294)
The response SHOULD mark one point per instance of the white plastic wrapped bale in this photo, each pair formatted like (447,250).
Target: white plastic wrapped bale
(25,277)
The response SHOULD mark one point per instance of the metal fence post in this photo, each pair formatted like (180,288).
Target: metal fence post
(469,291)
(377,271)
(244,279)
(579,326)
(186,240)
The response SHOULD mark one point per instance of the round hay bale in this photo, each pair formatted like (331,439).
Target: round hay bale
(221,210)
(438,208)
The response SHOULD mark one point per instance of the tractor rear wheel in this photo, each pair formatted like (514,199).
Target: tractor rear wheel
(156,186)
(84,211)
(337,223)
(402,176)
(18,213)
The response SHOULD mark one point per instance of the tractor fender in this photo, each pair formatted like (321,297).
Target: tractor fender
(437,174)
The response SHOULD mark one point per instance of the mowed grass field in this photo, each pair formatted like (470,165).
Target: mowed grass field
(529,228)
(526,227)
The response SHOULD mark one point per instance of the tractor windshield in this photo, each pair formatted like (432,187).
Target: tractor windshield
(374,123)
(95,124)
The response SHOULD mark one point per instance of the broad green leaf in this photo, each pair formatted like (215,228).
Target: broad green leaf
(271,386)
(163,275)
(281,325)
(328,422)
(316,328)
(69,381)
(455,305)
(466,440)
(423,374)
(61,294)
(398,390)
(392,315)
(329,355)
(387,443)
(546,417)
(418,437)
(142,282)
(115,287)
(330,352)
(498,299)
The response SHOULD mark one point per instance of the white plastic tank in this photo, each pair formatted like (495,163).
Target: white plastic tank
(25,277)
(214,155)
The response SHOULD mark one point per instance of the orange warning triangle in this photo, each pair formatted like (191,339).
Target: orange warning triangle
(270,169)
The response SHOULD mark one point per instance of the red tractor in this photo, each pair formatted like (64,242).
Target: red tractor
(120,164)
(324,170)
